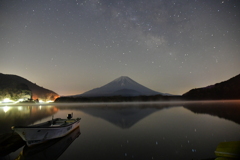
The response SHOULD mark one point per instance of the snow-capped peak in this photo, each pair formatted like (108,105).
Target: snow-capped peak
(121,86)
(122,79)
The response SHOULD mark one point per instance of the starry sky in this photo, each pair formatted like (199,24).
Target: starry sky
(72,46)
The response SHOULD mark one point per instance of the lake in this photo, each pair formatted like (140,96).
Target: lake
(114,131)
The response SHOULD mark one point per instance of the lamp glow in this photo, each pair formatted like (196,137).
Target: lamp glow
(7,100)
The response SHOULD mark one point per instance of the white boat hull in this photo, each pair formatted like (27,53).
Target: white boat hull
(38,134)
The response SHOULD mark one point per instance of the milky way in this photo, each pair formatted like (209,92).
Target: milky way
(72,46)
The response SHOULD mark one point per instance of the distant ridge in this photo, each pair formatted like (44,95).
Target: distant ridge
(229,89)
(122,86)
(9,85)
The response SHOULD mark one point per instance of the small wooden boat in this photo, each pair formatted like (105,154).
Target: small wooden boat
(49,150)
(39,133)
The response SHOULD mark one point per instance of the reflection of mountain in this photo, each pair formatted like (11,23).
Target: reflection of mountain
(22,115)
(124,118)
(229,111)
(50,150)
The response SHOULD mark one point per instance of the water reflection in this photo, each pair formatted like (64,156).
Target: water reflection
(23,115)
(123,118)
(146,131)
(50,150)
(155,131)
(127,115)
(226,110)
(122,115)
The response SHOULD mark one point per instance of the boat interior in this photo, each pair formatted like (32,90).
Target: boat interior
(55,122)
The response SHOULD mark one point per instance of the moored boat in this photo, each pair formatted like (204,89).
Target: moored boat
(42,132)
(49,150)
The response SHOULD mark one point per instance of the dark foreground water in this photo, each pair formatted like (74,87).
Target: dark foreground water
(162,131)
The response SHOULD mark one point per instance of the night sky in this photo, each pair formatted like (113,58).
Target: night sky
(72,46)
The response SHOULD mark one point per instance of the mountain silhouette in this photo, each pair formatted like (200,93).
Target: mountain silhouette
(122,86)
(9,84)
(229,89)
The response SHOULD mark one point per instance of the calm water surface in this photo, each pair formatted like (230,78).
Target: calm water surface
(165,131)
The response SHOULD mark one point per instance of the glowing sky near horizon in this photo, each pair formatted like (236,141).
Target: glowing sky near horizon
(72,46)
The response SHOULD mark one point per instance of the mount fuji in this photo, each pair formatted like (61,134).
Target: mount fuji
(122,86)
